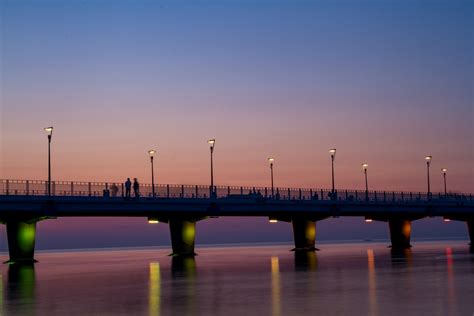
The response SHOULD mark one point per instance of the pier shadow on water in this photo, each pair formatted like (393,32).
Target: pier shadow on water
(305,261)
(183,266)
(401,256)
(21,288)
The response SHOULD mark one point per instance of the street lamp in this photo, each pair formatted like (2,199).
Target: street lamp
(49,132)
(333,156)
(444,170)
(151,153)
(428,163)
(270,161)
(212,143)
(365,166)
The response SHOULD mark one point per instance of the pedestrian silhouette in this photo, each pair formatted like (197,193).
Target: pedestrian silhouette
(128,187)
(136,187)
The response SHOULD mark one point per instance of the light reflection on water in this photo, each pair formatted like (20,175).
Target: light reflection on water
(276,290)
(154,295)
(372,282)
(356,279)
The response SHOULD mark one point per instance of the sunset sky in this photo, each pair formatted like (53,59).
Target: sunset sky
(385,82)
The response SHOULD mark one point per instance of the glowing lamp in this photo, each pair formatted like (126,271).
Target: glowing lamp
(446,219)
(444,170)
(152,220)
(48,130)
(365,166)
(211,142)
(332,152)
(271,160)
(151,152)
(272,220)
(368,220)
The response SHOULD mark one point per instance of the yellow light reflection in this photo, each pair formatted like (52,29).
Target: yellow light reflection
(372,282)
(276,287)
(450,276)
(154,289)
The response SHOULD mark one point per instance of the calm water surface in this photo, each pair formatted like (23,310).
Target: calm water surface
(435,278)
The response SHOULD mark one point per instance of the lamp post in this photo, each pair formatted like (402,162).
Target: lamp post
(49,132)
(428,163)
(333,156)
(151,153)
(270,161)
(212,143)
(365,166)
(444,170)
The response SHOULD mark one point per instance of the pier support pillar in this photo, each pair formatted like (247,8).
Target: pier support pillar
(21,241)
(304,232)
(183,234)
(470,227)
(400,232)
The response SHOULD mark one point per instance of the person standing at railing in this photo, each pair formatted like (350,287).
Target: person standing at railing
(136,188)
(128,187)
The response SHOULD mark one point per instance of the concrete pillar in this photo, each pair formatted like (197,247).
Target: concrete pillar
(304,232)
(21,241)
(400,231)
(470,227)
(182,237)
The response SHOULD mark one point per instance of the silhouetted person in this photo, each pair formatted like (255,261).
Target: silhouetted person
(114,189)
(136,187)
(315,196)
(128,187)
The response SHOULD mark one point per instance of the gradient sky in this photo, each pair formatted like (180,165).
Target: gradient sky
(385,82)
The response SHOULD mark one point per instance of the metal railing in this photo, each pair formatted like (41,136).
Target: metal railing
(115,189)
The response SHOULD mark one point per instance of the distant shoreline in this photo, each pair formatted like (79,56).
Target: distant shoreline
(236,245)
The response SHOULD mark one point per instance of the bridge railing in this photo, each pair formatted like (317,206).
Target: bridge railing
(114,189)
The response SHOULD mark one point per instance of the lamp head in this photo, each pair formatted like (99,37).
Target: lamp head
(332,152)
(151,152)
(211,142)
(444,170)
(48,130)
(365,166)
(271,160)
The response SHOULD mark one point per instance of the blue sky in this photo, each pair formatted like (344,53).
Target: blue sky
(386,82)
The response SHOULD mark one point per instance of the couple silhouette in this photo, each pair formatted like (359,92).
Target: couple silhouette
(128,187)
